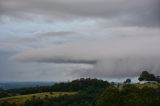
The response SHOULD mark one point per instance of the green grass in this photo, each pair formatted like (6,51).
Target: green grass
(148,85)
(20,99)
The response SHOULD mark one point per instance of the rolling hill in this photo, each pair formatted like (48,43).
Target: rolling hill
(20,99)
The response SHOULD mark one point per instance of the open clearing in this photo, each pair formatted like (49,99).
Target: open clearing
(20,99)
(148,85)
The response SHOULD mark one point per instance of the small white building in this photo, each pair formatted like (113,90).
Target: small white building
(148,82)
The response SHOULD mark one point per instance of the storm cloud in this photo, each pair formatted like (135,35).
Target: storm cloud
(111,57)
(93,38)
(137,12)
(55,34)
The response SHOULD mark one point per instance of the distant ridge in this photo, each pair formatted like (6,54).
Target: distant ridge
(12,85)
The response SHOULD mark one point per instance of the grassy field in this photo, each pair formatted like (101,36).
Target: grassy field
(20,99)
(148,85)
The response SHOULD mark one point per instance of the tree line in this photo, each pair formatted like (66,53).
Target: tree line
(88,91)
(130,95)
(92,92)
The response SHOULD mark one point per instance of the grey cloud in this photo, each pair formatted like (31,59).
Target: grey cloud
(55,34)
(46,35)
(121,67)
(125,38)
(112,57)
(27,39)
(11,70)
(36,40)
(137,12)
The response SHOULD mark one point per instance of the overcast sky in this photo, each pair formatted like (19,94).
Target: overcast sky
(60,40)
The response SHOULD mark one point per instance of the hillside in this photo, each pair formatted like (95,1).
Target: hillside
(130,95)
(84,92)
(20,99)
(80,92)
(150,85)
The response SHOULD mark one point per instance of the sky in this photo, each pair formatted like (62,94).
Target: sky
(61,40)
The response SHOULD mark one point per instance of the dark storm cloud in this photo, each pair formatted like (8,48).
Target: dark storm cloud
(55,34)
(117,57)
(137,12)
(14,71)
(116,38)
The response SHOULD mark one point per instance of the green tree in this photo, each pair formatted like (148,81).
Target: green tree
(5,104)
(128,81)
(130,95)
(110,97)
(158,79)
(146,76)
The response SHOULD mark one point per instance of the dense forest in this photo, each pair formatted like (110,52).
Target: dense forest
(130,95)
(88,91)
(75,85)
(92,92)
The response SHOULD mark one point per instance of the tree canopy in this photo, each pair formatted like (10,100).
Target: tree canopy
(146,76)
(128,81)
(130,95)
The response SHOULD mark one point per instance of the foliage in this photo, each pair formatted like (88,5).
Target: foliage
(4,93)
(91,92)
(146,76)
(85,97)
(111,97)
(20,99)
(158,79)
(128,81)
(88,91)
(130,95)
(73,86)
